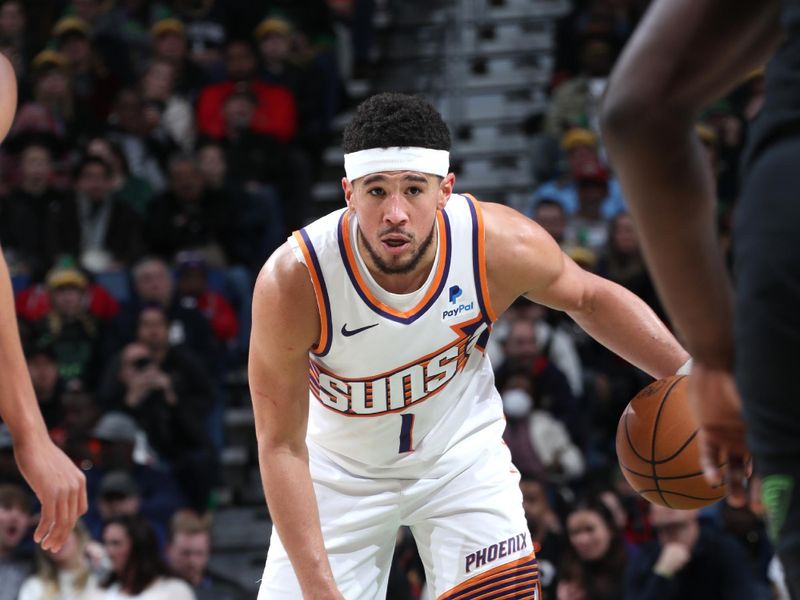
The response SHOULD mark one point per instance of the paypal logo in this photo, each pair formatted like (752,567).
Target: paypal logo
(454,294)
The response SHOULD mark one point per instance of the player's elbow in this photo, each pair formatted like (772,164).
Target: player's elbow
(625,115)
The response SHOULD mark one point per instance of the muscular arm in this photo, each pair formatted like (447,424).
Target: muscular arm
(285,325)
(684,54)
(522,259)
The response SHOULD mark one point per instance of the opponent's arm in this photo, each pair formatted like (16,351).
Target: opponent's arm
(684,54)
(522,259)
(59,484)
(285,325)
(56,481)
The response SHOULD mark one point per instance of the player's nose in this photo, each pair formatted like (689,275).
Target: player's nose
(396,211)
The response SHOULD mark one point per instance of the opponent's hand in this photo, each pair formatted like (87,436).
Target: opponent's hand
(60,487)
(718,408)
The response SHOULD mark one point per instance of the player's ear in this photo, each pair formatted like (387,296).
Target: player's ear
(347,188)
(446,189)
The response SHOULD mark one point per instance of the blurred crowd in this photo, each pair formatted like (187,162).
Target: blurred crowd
(161,151)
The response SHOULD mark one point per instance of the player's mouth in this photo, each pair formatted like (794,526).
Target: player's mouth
(395,244)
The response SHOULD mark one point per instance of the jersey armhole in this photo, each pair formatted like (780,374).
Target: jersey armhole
(479,258)
(304,251)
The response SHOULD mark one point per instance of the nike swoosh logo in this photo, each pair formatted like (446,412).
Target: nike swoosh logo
(348,332)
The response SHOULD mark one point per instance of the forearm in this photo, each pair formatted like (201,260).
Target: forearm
(675,214)
(18,406)
(293,509)
(623,323)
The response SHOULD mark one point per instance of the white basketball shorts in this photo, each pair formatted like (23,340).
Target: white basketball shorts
(468,524)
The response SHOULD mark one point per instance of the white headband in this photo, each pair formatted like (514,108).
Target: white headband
(409,158)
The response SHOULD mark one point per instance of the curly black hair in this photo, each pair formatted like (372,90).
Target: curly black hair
(392,119)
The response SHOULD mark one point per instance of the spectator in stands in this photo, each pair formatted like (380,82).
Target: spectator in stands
(69,328)
(28,213)
(188,552)
(275,111)
(123,448)
(190,217)
(137,568)
(532,432)
(52,107)
(103,232)
(128,188)
(174,114)
(170,45)
(47,383)
(588,227)
(624,264)
(9,471)
(94,83)
(545,529)
(260,159)
(119,495)
(553,393)
(575,103)
(15,521)
(136,129)
(594,558)
(688,562)
(13,21)
(79,414)
(192,289)
(256,208)
(166,389)
(154,284)
(205,22)
(551,216)
(579,147)
(67,574)
(280,66)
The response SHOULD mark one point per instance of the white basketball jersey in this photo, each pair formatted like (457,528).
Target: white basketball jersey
(398,380)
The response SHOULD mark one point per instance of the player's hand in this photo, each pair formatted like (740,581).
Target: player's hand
(718,408)
(60,487)
(672,559)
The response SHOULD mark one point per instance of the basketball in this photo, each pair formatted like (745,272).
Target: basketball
(657,447)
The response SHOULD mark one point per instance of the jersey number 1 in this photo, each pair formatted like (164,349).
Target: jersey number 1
(406,439)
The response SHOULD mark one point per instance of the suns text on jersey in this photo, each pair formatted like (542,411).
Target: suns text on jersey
(399,388)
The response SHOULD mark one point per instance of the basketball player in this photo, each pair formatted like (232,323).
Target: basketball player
(59,484)
(685,54)
(382,310)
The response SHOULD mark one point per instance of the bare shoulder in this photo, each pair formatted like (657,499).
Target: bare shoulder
(520,256)
(284,304)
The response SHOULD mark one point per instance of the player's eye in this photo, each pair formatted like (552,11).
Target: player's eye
(376,192)
(414,191)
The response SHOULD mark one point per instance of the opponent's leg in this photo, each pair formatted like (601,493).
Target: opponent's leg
(768,339)
(360,519)
(471,532)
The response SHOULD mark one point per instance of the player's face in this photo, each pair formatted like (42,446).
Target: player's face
(396,213)
(588,534)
